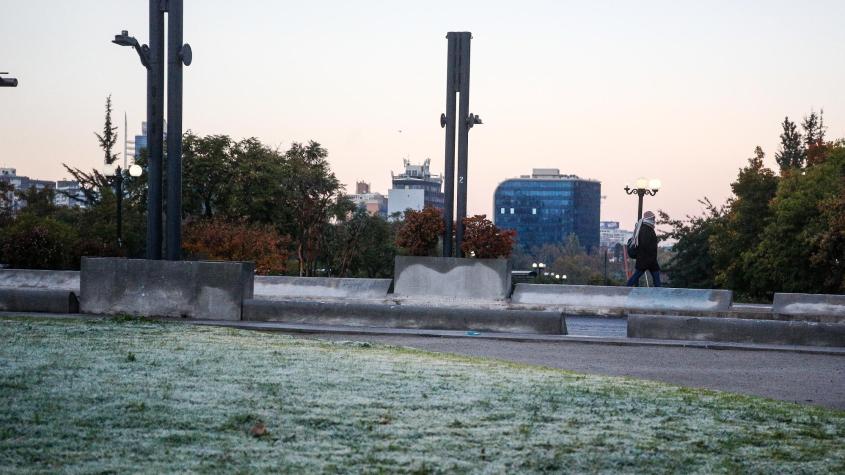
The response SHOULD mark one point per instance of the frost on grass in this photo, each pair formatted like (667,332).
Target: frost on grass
(94,396)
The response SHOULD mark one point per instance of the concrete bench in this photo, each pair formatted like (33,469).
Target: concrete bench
(352,313)
(604,300)
(830,307)
(736,330)
(475,279)
(38,300)
(40,279)
(319,287)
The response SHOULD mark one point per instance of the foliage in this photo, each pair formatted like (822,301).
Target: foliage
(791,153)
(735,237)
(109,136)
(814,133)
(34,242)
(217,239)
(361,246)
(692,263)
(484,240)
(420,231)
(208,171)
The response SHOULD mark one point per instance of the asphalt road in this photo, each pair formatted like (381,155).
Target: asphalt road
(802,378)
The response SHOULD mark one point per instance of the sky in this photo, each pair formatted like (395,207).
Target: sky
(609,90)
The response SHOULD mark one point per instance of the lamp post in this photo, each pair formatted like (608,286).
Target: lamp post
(153,58)
(116,174)
(8,82)
(538,270)
(642,187)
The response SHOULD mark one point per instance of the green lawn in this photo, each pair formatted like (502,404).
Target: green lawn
(128,396)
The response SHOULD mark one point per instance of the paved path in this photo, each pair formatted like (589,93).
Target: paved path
(804,378)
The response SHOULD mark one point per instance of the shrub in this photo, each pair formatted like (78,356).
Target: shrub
(217,239)
(419,233)
(484,240)
(33,242)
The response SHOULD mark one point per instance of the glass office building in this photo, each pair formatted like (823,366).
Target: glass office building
(546,207)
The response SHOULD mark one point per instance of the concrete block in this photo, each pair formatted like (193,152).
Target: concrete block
(736,330)
(482,279)
(360,313)
(40,279)
(193,289)
(38,300)
(594,296)
(824,305)
(320,287)
(666,298)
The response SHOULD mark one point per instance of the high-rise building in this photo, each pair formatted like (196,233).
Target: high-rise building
(19,182)
(416,188)
(611,235)
(547,207)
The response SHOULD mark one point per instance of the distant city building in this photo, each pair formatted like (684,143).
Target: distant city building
(64,190)
(69,194)
(416,188)
(374,203)
(141,140)
(547,207)
(611,235)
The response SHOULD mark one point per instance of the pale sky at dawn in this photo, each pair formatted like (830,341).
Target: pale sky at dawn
(679,90)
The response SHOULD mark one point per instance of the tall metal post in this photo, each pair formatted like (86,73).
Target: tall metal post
(174,131)
(640,195)
(447,120)
(463,140)
(118,185)
(457,82)
(155,117)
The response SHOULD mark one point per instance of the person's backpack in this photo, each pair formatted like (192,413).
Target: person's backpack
(631,247)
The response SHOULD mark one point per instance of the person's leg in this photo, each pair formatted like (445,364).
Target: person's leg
(655,274)
(635,278)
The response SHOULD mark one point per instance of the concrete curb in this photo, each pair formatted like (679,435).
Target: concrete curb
(38,300)
(368,314)
(528,338)
(736,330)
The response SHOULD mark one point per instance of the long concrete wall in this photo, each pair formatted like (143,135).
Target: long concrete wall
(40,279)
(482,279)
(271,287)
(608,299)
(736,330)
(804,305)
(38,300)
(193,289)
(352,313)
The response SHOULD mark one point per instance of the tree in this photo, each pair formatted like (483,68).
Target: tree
(361,246)
(482,239)
(692,264)
(37,242)
(312,195)
(792,153)
(420,231)
(209,168)
(814,135)
(746,215)
(109,136)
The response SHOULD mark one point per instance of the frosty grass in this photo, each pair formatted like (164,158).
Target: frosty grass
(127,395)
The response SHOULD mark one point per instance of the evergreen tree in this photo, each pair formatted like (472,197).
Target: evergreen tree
(814,135)
(791,153)
(109,137)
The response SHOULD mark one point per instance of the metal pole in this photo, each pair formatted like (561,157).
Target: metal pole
(640,194)
(448,121)
(118,185)
(155,106)
(463,139)
(174,131)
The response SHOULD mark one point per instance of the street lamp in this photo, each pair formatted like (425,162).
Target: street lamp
(642,187)
(538,269)
(8,82)
(116,174)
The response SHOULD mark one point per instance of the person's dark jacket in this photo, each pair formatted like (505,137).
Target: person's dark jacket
(647,250)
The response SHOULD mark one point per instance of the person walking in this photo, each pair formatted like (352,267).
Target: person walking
(645,243)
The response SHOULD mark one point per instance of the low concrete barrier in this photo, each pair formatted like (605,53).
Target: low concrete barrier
(369,314)
(38,300)
(736,330)
(40,279)
(817,305)
(604,300)
(482,279)
(194,289)
(320,287)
